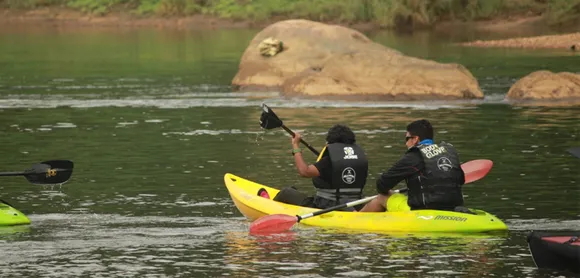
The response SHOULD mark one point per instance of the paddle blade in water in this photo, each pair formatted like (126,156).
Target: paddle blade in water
(274,223)
(575,151)
(476,169)
(269,120)
(50,172)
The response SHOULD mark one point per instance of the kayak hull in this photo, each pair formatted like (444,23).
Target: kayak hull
(244,196)
(555,250)
(10,216)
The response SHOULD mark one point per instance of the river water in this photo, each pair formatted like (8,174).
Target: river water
(149,119)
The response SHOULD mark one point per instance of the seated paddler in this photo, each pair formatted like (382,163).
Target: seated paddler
(339,174)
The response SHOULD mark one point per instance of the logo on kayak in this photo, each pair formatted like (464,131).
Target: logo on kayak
(348,175)
(349,153)
(444,164)
(425,217)
(450,218)
(50,173)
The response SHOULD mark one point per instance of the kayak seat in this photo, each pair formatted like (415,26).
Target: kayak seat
(290,195)
(262,192)
(463,210)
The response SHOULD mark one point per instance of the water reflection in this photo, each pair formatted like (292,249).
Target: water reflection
(316,252)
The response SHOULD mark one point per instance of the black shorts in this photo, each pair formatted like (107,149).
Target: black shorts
(291,195)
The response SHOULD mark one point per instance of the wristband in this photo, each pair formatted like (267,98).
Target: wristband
(295,151)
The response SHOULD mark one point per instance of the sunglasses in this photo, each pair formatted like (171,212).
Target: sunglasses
(409,137)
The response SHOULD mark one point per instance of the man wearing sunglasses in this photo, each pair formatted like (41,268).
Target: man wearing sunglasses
(432,172)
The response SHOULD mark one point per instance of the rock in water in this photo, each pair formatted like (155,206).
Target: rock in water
(320,60)
(546,85)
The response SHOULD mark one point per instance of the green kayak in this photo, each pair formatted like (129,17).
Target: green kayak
(10,216)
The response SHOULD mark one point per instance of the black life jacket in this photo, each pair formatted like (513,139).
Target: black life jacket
(439,184)
(349,173)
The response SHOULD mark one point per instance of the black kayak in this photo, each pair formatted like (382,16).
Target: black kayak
(559,250)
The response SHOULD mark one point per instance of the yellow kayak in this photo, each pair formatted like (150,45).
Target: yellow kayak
(245,197)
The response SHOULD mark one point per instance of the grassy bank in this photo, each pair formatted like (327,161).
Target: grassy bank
(384,13)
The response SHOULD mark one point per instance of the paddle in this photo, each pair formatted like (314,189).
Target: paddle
(269,120)
(575,151)
(476,169)
(46,172)
(275,223)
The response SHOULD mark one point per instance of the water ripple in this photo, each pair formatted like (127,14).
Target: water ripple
(212,100)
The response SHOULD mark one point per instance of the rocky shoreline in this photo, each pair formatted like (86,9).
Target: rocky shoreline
(563,41)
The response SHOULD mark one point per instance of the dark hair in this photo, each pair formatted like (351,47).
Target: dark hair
(340,134)
(421,128)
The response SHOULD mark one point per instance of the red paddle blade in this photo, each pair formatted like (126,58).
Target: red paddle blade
(476,169)
(274,223)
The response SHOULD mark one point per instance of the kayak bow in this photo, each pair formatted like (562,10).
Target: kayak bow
(10,216)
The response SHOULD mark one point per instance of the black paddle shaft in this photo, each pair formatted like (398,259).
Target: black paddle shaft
(301,141)
(269,120)
(46,172)
(12,174)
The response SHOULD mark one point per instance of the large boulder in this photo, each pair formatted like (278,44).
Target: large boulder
(319,60)
(546,85)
